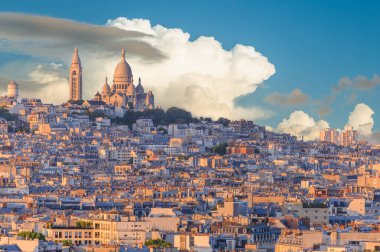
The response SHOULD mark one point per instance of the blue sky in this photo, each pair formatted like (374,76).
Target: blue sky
(312,44)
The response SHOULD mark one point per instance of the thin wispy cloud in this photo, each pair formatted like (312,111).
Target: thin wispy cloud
(49,37)
(296,97)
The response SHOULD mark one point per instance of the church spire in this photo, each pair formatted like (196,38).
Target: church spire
(75,60)
(123,54)
(139,87)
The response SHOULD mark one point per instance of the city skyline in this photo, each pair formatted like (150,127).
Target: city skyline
(274,94)
(189,126)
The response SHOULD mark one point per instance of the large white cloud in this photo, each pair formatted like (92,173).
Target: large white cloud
(361,119)
(198,75)
(300,124)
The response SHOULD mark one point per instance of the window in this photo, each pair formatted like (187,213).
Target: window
(191,241)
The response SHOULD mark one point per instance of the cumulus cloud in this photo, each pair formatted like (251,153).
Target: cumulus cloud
(300,124)
(361,119)
(296,97)
(52,83)
(198,75)
(269,128)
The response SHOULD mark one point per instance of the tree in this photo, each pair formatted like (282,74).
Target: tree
(8,116)
(49,224)
(158,243)
(76,102)
(220,149)
(223,121)
(67,243)
(94,114)
(178,115)
(83,224)
(158,116)
(163,130)
(27,235)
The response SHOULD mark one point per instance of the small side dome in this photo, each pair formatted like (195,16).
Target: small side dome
(106,88)
(131,90)
(139,88)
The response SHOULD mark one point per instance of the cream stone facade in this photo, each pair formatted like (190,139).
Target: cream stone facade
(317,215)
(298,241)
(123,92)
(111,228)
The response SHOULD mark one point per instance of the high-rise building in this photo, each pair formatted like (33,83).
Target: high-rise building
(346,137)
(75,80)
(329,135)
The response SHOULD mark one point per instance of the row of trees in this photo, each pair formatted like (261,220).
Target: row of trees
(5,114)
(220,149)
(158,116)
(158,243)
(162,117)
(27,235)
(83,224)
(14,124)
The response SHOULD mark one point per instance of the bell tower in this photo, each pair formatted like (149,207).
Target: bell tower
(75,80)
